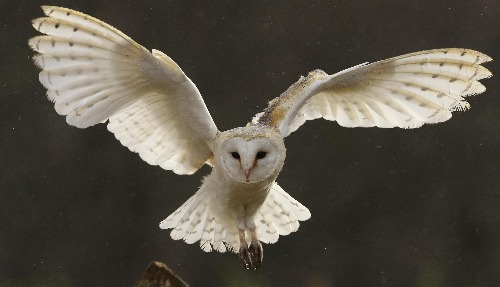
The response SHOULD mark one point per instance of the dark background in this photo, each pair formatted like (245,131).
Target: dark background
(390,207)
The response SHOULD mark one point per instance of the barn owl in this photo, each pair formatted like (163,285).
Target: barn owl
(94,74)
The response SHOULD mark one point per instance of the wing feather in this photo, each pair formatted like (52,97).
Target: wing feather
(405,91)
(279,215)
(94,73)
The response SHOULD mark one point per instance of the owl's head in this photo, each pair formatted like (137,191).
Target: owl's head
(250,154)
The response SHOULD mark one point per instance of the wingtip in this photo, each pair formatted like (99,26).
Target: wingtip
(487,58)
(307,215)
(47,9)
(164,225)
(37,23)
(482,58)
(33,43)
(38,60)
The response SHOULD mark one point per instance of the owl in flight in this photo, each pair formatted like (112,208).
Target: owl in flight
(94,73)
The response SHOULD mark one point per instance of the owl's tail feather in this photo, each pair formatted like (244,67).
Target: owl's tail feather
(279,215)
(193,221)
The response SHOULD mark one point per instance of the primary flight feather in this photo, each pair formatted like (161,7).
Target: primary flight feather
(94,73)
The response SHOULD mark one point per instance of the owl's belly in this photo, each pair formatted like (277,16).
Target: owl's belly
(237,202)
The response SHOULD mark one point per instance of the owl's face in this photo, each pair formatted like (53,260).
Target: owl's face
(250,154)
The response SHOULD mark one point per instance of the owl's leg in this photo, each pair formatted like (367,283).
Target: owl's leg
(256,250)
(244,251)
(250,256)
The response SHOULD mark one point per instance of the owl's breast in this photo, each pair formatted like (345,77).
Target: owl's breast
(230,199)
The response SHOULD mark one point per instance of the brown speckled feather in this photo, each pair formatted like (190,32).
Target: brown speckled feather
(406,91)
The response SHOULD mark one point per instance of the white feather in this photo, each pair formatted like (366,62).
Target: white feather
(93,73)
(406,91)
(194,221)
(279,215)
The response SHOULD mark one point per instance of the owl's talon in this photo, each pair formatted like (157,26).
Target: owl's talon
(245,257)
(256,254)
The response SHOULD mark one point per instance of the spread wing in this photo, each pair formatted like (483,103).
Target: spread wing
(406,91)
(94,73)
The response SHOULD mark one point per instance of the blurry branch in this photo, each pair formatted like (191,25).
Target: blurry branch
(159,275)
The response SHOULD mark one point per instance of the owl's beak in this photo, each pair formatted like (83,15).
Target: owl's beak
(247,173)
(247,168)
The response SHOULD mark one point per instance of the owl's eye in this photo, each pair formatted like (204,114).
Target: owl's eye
(235,155)
(261,155)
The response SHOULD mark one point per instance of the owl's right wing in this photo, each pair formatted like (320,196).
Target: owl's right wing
(405,91)
(94,73)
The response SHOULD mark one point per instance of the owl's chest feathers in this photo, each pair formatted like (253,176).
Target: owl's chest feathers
(229,198)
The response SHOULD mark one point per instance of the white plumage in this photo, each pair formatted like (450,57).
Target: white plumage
(406,91)
(193,221)
(94,73)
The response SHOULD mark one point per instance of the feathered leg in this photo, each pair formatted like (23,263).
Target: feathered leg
(244,252)
(251,256)
(256,250)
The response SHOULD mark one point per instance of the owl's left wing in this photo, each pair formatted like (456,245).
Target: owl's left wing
(406,91)
(94,73)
